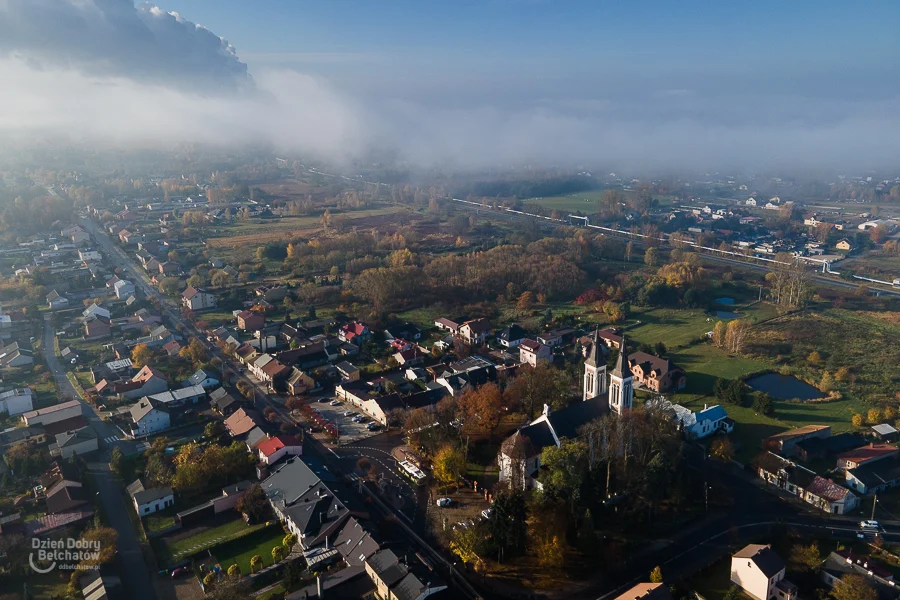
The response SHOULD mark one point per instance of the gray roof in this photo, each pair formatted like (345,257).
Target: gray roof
(386,565)
(143,407)
(141,495)
(297,491)
(199,377)
(764,557)
(592,360)
(354,543)
(75,437)
(182,394)
(621,365)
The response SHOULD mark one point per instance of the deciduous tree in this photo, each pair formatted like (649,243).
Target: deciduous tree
(448,464)
(656,575)
(853,587)
(480,409)
(141,355)
(722,449)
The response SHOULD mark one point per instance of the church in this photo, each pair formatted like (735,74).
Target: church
(603,393)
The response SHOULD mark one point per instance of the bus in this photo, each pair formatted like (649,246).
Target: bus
(413,472)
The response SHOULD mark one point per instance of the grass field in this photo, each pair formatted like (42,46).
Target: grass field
(240,551)
(175,548)
(585,202)
(876,265)
(677,327)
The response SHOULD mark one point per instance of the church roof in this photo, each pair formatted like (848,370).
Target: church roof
(621,364)
(592,356)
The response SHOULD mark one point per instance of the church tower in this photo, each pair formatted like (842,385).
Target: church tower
(594,372)
(621,384)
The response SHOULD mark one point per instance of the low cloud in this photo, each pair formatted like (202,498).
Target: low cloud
(107,71)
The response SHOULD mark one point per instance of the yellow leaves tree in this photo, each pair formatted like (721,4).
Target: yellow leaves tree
(255,562)
(722,449)
(890,413)
(480,409)
(141,355)
(857,420)
(874,416)
(525,302)
(682,274)
(718,337)
(814,357)
(826,384)
(853,587)
(108,538)
(465,544)
(736,334)
(234,571)
(448,464)
(842,374)
(656,575)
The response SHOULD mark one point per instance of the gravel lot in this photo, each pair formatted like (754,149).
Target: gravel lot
(350,431)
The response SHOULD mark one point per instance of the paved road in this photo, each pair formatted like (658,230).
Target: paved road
(135,573)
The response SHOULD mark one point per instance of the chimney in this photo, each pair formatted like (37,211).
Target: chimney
(327,543)
(319,587)
(705,406)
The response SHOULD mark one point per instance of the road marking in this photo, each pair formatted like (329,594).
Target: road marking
(111,439)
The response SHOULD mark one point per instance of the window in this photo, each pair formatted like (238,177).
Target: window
(146,509)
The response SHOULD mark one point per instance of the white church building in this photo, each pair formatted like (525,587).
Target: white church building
(520,454)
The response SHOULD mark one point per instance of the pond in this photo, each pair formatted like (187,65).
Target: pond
(784,387)
(725,301)
(725,314)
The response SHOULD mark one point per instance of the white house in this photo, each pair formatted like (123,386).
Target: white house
(149,416)
(53,414)
(275,448)
(16,401)
(759,571)
(149,501)
(197,299)
(89,255)
(750,202)
(204,379)
(532,352)
(124,289)
(71,443)
(14,356)
(56,301)
(95,310)
(700,424)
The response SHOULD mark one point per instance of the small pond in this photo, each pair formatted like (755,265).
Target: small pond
(725,301)
(725,314)
(784,387)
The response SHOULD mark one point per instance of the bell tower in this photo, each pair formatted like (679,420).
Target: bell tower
(594,372)
(621,383)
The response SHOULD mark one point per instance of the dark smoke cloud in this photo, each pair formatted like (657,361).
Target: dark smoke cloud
(116,38)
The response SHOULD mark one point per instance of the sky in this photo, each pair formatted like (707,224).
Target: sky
(659,85)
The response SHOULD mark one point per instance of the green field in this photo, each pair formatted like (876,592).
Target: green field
(240,551)
(677,327)
(171,548)
(586,202)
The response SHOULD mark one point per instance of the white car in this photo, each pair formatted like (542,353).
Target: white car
(444,502)
(869,525)
(335,403)
(486,513)
(348,413)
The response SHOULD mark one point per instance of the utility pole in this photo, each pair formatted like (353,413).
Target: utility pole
(874,502)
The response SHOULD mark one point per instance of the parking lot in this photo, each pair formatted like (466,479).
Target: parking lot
(350,431)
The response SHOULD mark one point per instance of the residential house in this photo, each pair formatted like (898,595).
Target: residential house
(16,401)
(475,332)
(197,299)
(407,331)
(302,501)
(242,421)
(785,443)
(57,301)
(180,397)
(271,293)
(396,580)
(355,543)
(853,459)
(759,571)
(875,477)
(697,425)
(172,348)
(146,382)
(885,432)
(354,333)
(612,339)
(97,327)
(204,378)
(223,402)
(347,371)
(655,373)
(805,485)
(149,416)
(124,289)
(647,591)
(814,448)
(169,268)
(249,320)
(844,244)
(65,496)
(95,310)
(511,336)
(277,447)
(13,355)
(532,352)
(73,443)
(557,337)
(447,325)
(360,395)
(150,500)
(299,383)
(520,454)
(22,435)
(409,358)
(846,562)
(53,414)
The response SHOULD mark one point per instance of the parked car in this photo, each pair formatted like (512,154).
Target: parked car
(323,399)
(486,513)
(180,571)
(335,402)
(869,525)
(348,413)
(373,427)
(444,502)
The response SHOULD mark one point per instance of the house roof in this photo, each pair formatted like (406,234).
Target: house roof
(610,336)
(530,345)
(386,565)
(186,393)
(763,557)
(354,543)
(447,323)
(879,472)
(142,495)
(713,413)
(220,398)
(827,489)
(647,591)
(199,377)
(70,424)
(274,368)
(478,326)
(64,496)
(512,333)
(190,291)
(51,409)
(242,421)
(868,453)
(300,494)
(799,432)
(147,373)
(143,407)
(650,363)
(833,444)
(71,438)
(356,328)
(884,429)
(255,436)
(772,463)
(276,443)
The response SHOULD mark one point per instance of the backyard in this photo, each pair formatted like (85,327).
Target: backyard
(241,550)
(177,546)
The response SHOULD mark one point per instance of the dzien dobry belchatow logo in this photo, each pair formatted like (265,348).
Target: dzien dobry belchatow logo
(65,554)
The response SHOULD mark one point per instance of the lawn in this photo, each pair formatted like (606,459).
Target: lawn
(240,551)
(177,547)
(714,582)
(586,202)
(160,520)
(677,327)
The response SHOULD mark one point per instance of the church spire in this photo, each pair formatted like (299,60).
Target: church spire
(592,355)
(619,370)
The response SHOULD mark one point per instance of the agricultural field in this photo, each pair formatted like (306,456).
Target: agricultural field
(875,265)
(585,202)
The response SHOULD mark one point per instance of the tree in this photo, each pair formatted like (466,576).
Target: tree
(874,416)
(735,334)
(508,521)
(277,553)
(544,384)
(448,464)
(107,539)
(169,286)
(195,352)
(857,420)
(245,389)
(213,429)
(718,336)
(525,301)
(826,384)
(289,541)
(763,403)
(853,587)
(842,374)
(195,280)
(656,575)
(563,469)
(651,257)
(255,562)
(466,543)
(254,504)
(814,357)
(889,414)
(234,571)
(141,355)
(806,557)
(117,461)
(722,449)
(480,409)
(660,349)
